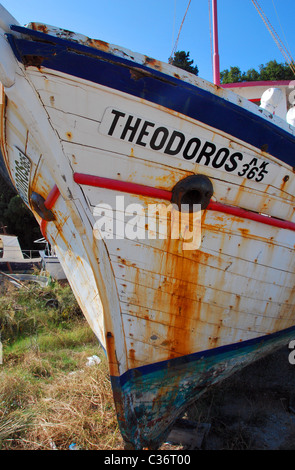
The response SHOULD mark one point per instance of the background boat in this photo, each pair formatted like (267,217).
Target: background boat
(15,260)
(50,262)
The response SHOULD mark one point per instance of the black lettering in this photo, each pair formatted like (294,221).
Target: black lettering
(23,161)
(21,176)
(21,167)
(263,165)
(21,187)
(22,164)
(253,161)
(175,136)
(129,127)
(219,164)
(22,193)
(207,151)
(117,114)
(158,146)
(246,167)
(234,163)
(143,133)
(252,172)
(262,171)
(260,175)
(195,143)
(20,181)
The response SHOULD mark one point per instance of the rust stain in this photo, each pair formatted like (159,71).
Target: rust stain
(180,335)
(39,27)
(12,103)
(74,160)
(244,231)
(97,44)
(218,90)
(131,357)
(137,74)
(69,135)
(153,63)
(110,346)
(284,182)
(40,185)
(33,61)
(182,311)
(3,107)
(161,181)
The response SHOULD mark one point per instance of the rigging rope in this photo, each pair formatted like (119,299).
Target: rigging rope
(176,42)
(273,4)
(275,36)
(173,29)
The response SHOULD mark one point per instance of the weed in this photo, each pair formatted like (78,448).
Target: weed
(49,398)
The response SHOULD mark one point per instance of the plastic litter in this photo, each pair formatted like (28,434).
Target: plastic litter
(73,446)
(92,360)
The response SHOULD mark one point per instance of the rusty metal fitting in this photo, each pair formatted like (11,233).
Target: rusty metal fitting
(194,189)
(38,205)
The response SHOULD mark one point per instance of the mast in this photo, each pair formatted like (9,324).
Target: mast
(216,71)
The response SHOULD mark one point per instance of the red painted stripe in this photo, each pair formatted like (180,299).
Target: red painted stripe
(132,188)
(43,224)
(49,203)
(52,197)
(142,190)
(238,212)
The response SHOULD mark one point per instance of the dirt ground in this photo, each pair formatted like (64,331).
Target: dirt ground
(252,410)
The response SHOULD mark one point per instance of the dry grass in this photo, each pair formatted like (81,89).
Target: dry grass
(75,409)
(49,397)
(45,409)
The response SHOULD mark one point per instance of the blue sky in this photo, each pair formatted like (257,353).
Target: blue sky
(151,27)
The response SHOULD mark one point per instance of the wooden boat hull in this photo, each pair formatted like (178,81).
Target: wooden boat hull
(170,387)
(84,125)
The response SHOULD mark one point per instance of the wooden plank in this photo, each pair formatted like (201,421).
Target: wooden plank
(146,255)
(198,292)
(93,107)
(147,341)
(283,279)
(178,303)
(156,174)
(213,315)
(211,220)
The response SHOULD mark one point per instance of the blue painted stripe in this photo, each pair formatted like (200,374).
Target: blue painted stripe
(154,86)
(179,362)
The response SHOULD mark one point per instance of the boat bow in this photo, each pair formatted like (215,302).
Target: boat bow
(88,127)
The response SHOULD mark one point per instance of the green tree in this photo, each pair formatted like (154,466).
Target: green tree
(17,218)
(252,76)
(234,75)
(182,60)
(275,71)
(271,71)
